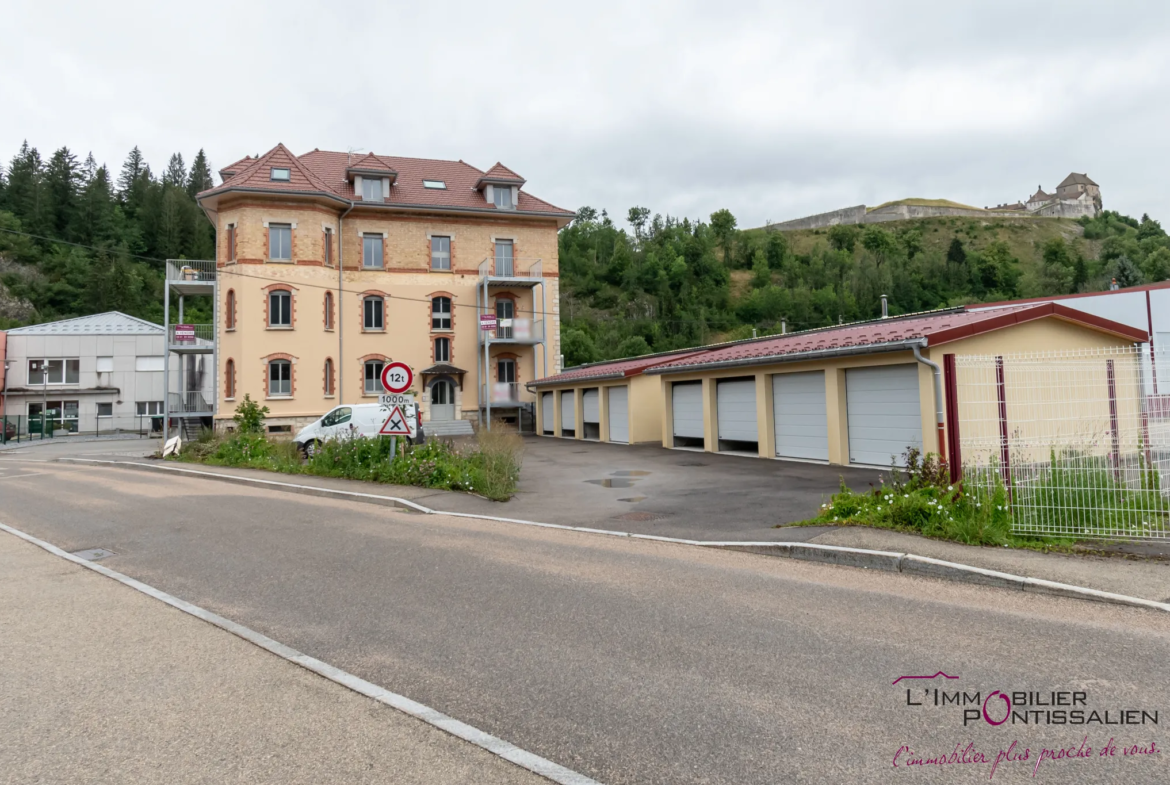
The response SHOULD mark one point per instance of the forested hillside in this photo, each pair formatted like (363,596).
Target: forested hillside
(113,221)
(677,283)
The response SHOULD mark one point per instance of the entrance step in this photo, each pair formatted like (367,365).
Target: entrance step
(448,428)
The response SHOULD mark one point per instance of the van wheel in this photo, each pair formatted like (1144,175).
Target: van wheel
(310,448)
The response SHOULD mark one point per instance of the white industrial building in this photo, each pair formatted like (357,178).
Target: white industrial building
(99,373)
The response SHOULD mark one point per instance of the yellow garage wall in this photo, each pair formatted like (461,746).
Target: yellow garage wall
(644,405)
(408,282)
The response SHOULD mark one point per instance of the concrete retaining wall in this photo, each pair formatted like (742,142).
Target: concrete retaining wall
(906,212)
(847,215)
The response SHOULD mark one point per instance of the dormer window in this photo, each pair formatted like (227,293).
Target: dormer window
(283,175)
(371,189)
(436,184)
(502,197)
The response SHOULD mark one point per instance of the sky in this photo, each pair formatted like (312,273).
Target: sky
(774,110)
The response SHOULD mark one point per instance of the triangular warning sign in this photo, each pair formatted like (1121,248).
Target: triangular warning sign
(395,424)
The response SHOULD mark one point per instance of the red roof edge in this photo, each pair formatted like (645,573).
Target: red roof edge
(650,363)
(1039,311)
(1145,287)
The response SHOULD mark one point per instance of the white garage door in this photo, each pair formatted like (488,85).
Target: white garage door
(619,414)
(736,402)
(590,406)
(687,409)
(802,425)
(884,414)
(568,412)
(546,412)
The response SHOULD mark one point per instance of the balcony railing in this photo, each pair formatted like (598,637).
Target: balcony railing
(191,270)
(516,331)
(517,267)
(191,336)
(502,393)
(188,403)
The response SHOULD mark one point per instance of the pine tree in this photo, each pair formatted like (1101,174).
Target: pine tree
(131,171)
(25,197)
(199,179)
(62,178)
(96,211)
(176,172)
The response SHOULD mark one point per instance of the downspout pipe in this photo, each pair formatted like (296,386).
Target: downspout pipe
(341,298)
(938,397)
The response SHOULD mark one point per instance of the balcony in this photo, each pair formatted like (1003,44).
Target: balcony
(191,338)
(191,276)
(524,332)
(503,394)
(519,271)
(189,404)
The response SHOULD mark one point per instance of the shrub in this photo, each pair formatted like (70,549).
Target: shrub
(249,416)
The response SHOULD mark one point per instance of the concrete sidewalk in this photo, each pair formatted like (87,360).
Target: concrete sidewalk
(99,683)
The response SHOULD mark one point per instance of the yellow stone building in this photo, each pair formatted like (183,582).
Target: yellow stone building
(330,265)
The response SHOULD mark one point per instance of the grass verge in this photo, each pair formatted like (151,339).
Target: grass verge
(490,467)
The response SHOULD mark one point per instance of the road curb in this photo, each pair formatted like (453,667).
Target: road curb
(887,561)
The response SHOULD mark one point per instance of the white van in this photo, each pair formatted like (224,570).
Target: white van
(363,419)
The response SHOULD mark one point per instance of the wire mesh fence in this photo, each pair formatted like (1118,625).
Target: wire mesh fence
(1080,440)
(17,429)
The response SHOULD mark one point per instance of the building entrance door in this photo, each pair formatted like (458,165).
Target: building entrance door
(442,400)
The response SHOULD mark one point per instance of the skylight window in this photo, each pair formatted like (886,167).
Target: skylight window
(437,184)
(280,174)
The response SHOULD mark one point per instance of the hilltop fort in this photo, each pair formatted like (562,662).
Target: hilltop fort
(1076,196)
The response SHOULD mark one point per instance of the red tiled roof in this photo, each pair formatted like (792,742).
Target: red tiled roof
(501,173)
(371,162)
(322,171)
(614,369)
(235,168)
(936,328)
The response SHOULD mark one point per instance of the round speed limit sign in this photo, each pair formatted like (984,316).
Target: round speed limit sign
(397,377)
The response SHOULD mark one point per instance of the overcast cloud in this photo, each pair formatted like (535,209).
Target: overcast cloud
(773,110)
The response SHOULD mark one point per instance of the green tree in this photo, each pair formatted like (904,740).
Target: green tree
(578,348)
(776,250)
(634,346)
(723,227)
(761,272)
(956,253)
(843,237)
(878,242)
(1157,266)
(176,172)
(1126,273)
(637,217)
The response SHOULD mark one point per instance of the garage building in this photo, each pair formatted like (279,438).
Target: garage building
(853,394)
(610,401)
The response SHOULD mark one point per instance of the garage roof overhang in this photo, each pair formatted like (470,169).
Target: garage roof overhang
(793,357)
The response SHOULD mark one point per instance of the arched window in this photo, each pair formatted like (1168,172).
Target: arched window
(279,378)
(442,350)
(230,310)
(441,313)
(280,308)
(373,313)
(328,310)
(229,379)
(329,376)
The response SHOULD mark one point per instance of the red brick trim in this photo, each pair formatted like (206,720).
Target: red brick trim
(362,370)
(362,310)
(292,373)
(329,377)
(229,378)
(229,310)
(292,293)
(515,358)
(328,310)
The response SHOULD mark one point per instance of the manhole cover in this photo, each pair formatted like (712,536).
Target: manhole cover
(638,516)
(93,554)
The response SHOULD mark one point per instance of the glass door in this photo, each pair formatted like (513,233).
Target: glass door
(505,311)
(504,266)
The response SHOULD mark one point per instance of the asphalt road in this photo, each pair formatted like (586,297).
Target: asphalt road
(631,662)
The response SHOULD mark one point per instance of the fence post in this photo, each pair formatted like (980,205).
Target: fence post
(951,388)
(1005,460)
(1114,433)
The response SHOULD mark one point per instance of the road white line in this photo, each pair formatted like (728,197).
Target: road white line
(496,746)
(22,476)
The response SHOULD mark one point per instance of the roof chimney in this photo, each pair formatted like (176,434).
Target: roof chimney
(754,333)
(885,308)
(784,326)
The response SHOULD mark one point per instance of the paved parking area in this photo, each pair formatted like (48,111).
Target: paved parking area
(675,493)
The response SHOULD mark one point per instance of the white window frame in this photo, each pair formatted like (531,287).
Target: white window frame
(282,178)
(441,255)
(280,229)
(372,385)
(280,294)
(380,245)
(148,408)
(506,191)
(442,317)
(369,185)
(380,313)
(272,379)
(438,185)
(99,409)
(44,380)
(446,342)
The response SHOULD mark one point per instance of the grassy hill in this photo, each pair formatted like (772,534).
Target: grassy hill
(924,203)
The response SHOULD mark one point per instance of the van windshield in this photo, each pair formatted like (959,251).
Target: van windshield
(337,416)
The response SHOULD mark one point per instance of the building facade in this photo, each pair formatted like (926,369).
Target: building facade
(331,265)
(100,373)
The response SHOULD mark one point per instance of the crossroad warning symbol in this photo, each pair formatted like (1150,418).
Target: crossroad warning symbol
(395,424)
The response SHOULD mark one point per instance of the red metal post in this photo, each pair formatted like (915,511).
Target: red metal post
(1005,460)
(951,389)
